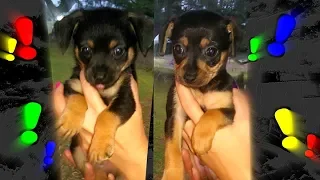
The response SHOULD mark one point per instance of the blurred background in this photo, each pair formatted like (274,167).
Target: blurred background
(163,65)
(61,65)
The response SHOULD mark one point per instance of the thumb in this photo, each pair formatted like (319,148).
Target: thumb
(241,104)
(189,103)
(92,96)
(59,101)
(89,172)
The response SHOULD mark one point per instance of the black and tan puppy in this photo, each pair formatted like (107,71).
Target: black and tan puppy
(105,47)
(202,41)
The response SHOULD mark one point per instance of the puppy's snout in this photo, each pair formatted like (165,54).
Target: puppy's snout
(189,77)
(100,76)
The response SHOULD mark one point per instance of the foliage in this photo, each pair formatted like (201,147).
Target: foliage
(143,6)
(164,10)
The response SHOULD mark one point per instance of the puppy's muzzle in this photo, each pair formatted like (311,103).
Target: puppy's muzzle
(100,76)
(190,77)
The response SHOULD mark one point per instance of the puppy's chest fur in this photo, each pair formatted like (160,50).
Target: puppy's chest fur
(108,94)
(213,99)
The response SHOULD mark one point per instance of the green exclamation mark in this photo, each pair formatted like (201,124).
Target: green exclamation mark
(30,117)
(255,44)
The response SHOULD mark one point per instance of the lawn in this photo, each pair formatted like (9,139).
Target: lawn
(61,69)
(162,85)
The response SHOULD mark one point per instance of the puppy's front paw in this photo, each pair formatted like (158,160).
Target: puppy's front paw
(102,148)
(202,137)
(69,124)
(173,174)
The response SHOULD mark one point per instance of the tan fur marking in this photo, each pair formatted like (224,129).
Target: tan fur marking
(131,55)
(179,70)
(204,42)
(113,44)
(220,100)
(77,103)
(102,146)
(184,40)
(75,85)
(72,118)
(203,134)
(90,43)
(174,168)
(206,73)
(76,52)
(167,35)
(213,70)
(112,91)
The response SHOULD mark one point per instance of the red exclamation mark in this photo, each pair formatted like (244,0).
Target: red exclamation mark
(313,143)
(24,29)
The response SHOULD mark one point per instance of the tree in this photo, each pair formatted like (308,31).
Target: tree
(64,6)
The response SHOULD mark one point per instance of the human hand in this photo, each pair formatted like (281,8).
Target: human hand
(230,154)
(131,144)
(192,164)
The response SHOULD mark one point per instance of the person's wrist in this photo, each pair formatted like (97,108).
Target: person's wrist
(233,169)
(136,164)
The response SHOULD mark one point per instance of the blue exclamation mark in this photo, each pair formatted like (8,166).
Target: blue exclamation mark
(50,149)
(285,26)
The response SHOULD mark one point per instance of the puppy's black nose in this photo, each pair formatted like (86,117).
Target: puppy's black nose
(100,76)
(190,77)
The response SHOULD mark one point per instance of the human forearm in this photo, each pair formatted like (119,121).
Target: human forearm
(135,165)
(225,161)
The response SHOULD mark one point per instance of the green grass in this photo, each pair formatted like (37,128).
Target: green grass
(61,69)
(160,99)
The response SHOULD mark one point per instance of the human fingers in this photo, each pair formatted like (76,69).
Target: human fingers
(201,169)
(241,104)
(187,162)
(111,177)
(196,174)
(92,96)
(89,172)
(186,140)
(59,101)
(213,161)
(188,128)
(187,134)
(68,155)
(210,174)
(135,91)
(189,103)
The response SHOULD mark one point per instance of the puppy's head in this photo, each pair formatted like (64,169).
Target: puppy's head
(201,42)
(105,41)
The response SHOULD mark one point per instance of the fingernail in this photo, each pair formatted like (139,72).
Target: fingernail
(57,84)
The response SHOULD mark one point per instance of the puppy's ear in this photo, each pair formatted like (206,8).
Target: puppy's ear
(143,29)
(234,35)
(64,29)
(165,34)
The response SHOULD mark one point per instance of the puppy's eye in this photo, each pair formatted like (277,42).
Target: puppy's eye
(86,51)
(118,52)
(178,49)
(211,51)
